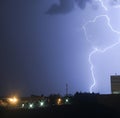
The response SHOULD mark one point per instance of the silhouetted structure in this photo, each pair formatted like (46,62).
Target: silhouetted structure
(115,84)
(66,89)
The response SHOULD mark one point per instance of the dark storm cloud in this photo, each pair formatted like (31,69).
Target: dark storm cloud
(82,3)
(66,6)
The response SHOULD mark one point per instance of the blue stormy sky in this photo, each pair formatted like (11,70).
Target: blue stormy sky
(43,46)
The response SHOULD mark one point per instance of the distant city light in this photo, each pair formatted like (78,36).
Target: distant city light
(67,100)
(41,103)
(13,100)
(23,105)
(59,101)
(30,105)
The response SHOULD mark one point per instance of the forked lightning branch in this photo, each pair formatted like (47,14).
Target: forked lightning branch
(96,49)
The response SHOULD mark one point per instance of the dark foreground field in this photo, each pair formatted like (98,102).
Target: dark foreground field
(63,111)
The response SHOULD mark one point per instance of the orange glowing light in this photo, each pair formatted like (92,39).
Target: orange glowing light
(13,100)
(59,101)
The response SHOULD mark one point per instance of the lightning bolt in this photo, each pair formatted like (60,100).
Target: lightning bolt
(96,50)
(102,4)
(92,68)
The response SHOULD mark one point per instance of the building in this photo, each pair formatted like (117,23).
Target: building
(115,84)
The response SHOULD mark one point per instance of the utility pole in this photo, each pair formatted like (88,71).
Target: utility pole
(66,89)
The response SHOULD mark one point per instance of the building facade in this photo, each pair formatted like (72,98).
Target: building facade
(115,84)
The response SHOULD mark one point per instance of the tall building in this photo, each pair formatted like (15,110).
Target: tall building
(115,84)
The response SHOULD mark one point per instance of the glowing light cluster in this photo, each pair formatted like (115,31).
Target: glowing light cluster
(13,100)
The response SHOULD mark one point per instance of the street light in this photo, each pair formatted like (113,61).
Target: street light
(13,100)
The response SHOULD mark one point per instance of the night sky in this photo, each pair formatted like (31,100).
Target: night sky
(43,46)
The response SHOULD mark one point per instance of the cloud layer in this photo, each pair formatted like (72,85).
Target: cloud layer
(66,6)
